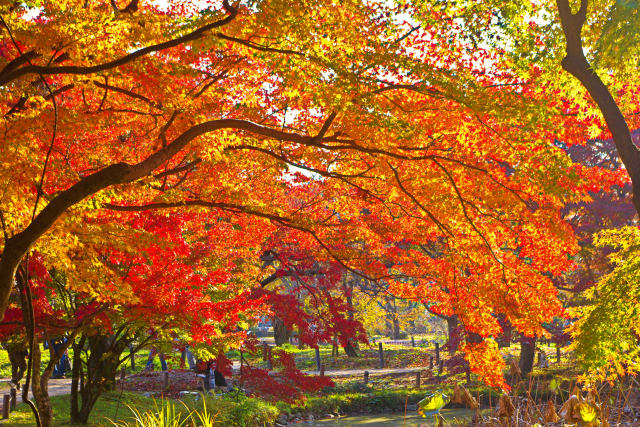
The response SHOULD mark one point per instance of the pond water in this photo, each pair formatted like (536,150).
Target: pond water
(453,417)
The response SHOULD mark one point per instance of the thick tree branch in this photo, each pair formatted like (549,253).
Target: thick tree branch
(15,73)
(577,65)
(18,245)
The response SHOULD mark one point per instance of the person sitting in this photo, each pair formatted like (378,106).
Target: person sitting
(219,379)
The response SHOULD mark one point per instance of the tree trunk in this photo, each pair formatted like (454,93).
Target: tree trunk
(280,332)
(527,355)
(102,368)
(504,340)
(350,350)
(40,389)
(396,328)
(452,334)
(75,376)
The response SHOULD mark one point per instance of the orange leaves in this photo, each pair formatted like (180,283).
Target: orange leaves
(485,360)
(404,155)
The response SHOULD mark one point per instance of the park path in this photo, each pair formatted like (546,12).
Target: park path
(57,387)
(62,386)
(360,372)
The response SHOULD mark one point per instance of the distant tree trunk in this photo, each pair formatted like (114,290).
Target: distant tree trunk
(280,332)
(454,341)
(350,350)
(504,340)
(527,354)
(300,344)
(396,328)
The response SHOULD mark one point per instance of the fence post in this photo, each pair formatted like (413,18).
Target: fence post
(437,353)
(322,370)
(431,362)
(558,352)
(166,380)
(269,359)
(12,404)
(381,355)
(418,379)
(440,367)
(265,351)
(366,377)
(5,406)
(413,342)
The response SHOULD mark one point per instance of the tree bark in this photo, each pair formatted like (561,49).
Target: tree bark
(454,341)
(504,340)
(527,355)
(280,332)
(350,350)
(75,376)
(395,334)
(40,388)
(577,65)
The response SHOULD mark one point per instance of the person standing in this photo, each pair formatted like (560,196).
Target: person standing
(17,352)
(152,356)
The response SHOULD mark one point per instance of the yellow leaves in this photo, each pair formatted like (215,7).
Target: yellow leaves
(579,409)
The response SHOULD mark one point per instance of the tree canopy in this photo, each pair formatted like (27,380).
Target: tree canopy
(410,153)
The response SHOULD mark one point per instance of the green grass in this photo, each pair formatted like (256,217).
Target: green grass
(111,406)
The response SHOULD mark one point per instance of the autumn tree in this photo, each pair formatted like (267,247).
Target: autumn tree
(407,135)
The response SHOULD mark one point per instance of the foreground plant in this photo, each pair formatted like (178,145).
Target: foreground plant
(165,414)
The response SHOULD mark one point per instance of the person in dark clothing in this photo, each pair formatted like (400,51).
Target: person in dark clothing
(17,357)
(56,347)
(218,378)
